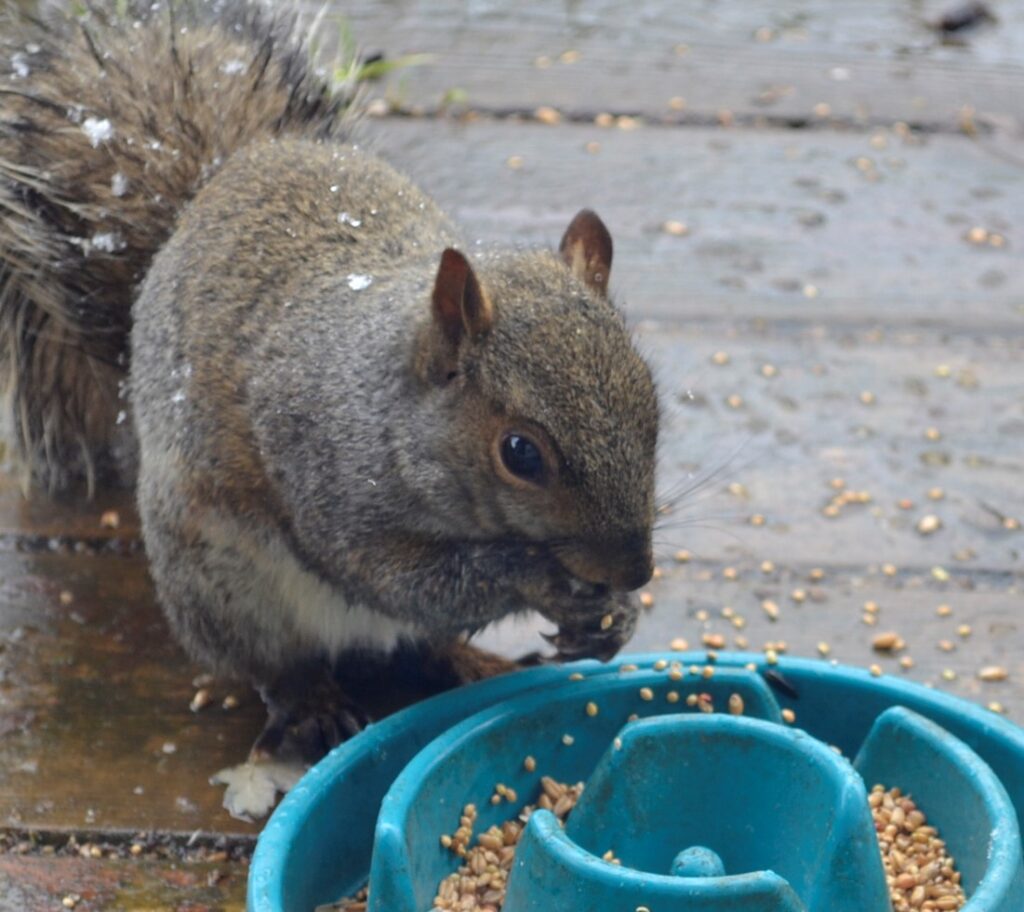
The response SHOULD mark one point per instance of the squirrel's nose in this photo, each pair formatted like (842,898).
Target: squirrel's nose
(624,562)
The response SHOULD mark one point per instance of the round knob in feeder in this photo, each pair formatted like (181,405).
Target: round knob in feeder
(698,861)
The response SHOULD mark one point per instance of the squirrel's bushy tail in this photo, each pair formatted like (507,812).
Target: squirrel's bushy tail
(109,123)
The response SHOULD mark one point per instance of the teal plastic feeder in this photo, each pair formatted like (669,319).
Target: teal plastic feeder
(731,813)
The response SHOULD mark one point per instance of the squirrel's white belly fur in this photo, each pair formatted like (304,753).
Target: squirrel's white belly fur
(282,593)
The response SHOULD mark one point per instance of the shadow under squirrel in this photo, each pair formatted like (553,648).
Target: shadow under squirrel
(346,433)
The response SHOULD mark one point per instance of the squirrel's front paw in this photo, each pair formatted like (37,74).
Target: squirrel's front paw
(597,634)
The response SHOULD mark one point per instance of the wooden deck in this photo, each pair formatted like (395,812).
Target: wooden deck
(824,315)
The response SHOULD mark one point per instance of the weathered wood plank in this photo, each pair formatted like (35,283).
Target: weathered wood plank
(35,883)
(94,705)
(878,61)
(875,235)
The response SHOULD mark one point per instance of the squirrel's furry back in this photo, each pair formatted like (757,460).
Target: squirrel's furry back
(109,123)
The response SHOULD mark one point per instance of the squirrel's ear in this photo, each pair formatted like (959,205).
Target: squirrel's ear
(460,305)
(587,250)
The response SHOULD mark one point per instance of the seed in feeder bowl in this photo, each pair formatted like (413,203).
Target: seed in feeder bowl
(929,524)
(568,740)
(996,707)
(592,709)
(771,657)
(692,699)
(672,696)
(788,716)
(646,693)
(736,704)
(876,670)
(65,597)
(529,764)
(675,228)
(720,358)
(993,673)
(628,667)
(230,702)
(201,699)
(675,671)
(661,665)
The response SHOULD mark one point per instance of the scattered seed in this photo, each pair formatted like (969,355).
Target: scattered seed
(929,524)
(993,673)
(771,609)
(824,649)
(676,229)
(66,598)
(997,707)
(230,702)
(941,574)
(906,663)
(867,397)
(201,700)
(871,607)
(683,557)
(607,621)
(947,645)
(515,162)
(547,115)
(110,519)
(646,599)
(943,611)
(720,358)
(890,641)
(713,640)
(876,670)
(948,674)
(964,631)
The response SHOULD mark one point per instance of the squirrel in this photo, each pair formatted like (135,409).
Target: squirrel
(350,431)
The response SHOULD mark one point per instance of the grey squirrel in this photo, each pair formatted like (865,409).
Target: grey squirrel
(347,433)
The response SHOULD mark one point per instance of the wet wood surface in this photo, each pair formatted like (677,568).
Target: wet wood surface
(838,332)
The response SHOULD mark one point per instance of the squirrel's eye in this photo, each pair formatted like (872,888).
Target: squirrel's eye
(522,457)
